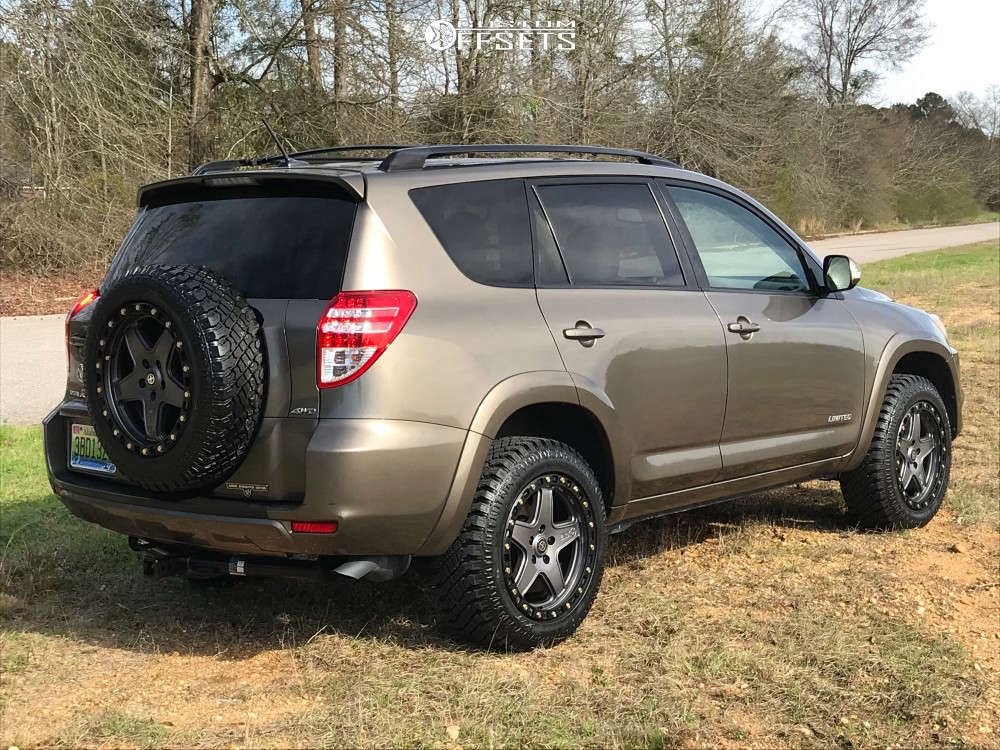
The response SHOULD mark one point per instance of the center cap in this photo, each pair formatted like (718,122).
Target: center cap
(150,378)
(541,545)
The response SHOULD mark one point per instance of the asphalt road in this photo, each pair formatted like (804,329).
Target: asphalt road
(33,350)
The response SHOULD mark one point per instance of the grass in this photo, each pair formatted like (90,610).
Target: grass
(766,622)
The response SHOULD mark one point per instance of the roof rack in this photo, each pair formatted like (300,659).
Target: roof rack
(226,165)
(415,157)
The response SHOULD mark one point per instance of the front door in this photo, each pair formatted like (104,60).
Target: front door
(631,325)
(796,358)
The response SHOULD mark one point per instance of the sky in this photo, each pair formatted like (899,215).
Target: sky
(962,54)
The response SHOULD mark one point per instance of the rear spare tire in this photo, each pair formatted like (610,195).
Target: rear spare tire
(175,377)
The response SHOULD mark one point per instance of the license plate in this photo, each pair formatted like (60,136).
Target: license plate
(86,451)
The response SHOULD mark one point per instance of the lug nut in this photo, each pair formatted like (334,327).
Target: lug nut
(152,311)
(98,389)
(144,451)
(187,394)
(181,418)
(167,324)
(122,311)
(179,344)
(105,412)
(128,445)
(115,432)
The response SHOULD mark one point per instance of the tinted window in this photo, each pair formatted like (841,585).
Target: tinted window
(269,246)
(737,248)
(483,226)
(551,271)
(611,234)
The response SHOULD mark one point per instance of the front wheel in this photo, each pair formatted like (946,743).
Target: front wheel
(903,478)
(526,567)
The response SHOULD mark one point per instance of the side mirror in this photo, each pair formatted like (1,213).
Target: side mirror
(840,273)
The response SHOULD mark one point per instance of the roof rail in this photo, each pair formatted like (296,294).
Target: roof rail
(225,165)
(414,157)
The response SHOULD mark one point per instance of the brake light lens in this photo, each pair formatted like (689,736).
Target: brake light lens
(85,299)
(355,329)
(314,527)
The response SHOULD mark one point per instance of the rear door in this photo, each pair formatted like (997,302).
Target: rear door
(281,243)
(796,357)
(631,324)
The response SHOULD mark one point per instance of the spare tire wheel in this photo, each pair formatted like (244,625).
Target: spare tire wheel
(175,377)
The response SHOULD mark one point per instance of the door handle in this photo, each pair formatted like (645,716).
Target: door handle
(584,333)
(744,327)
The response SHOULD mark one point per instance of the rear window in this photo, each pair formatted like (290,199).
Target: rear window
(285,246)
(483,226)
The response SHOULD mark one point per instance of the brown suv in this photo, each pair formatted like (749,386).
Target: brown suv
(333,361)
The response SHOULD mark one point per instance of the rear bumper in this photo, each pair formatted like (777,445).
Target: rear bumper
(386,483)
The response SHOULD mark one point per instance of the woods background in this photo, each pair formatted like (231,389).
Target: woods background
(99,96)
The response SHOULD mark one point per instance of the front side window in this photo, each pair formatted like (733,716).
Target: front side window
(483,226)
(611,234)
(738,249)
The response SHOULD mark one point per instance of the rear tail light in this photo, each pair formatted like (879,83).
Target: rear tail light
(355,329)
(85,299)
(314,527)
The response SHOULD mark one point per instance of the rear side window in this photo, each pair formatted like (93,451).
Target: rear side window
(611,234)
(265,245)
(483,226)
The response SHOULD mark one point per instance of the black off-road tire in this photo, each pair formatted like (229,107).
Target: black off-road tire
(223,383)
(872,491)
(477,603)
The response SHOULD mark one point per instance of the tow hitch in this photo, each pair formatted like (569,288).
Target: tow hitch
(161,561)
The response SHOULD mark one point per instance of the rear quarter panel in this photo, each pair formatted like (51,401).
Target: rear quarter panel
(462,339)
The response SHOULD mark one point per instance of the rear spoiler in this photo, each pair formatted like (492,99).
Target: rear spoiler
(353,185)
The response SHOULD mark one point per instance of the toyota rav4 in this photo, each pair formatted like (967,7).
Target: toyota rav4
(337,360)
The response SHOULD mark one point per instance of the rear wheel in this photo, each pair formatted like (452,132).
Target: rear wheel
(904,476)
(526,567)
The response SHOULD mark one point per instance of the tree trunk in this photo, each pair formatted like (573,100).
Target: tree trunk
(310,12)
(201,124)
(339,50)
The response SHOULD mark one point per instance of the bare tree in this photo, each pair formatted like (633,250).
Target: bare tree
(845,35)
